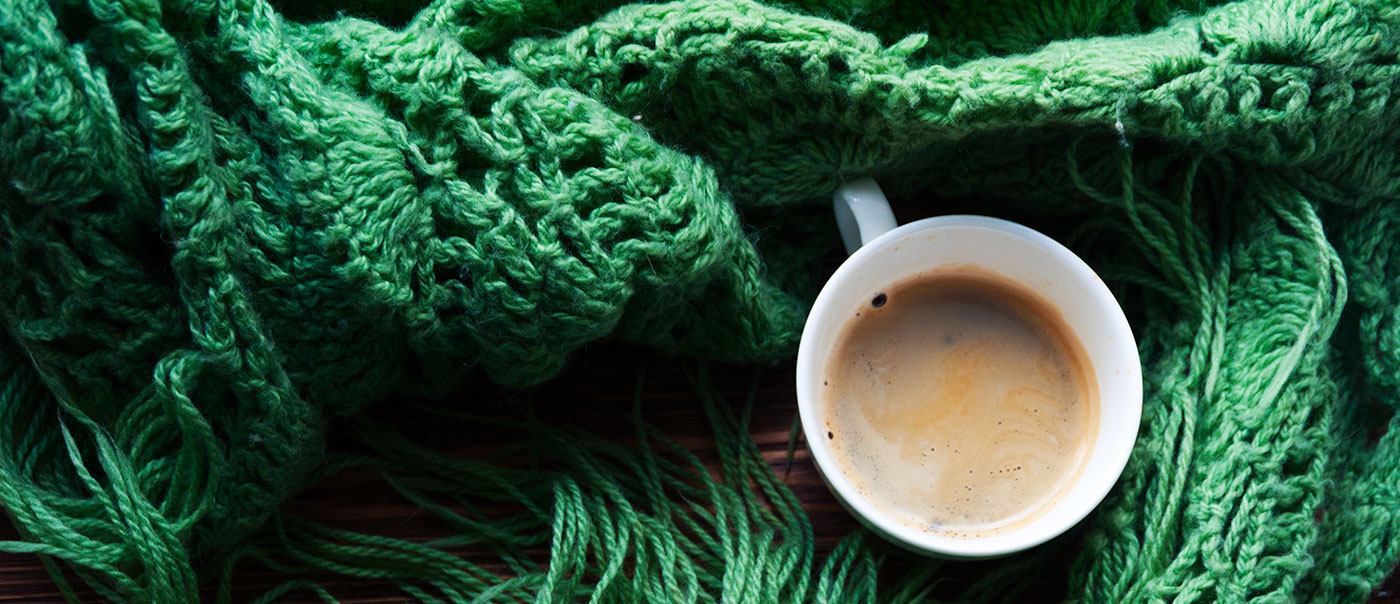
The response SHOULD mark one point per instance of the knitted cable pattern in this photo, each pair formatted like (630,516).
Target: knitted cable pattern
(224,224)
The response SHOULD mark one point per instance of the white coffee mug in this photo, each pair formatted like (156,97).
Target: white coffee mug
(883,254)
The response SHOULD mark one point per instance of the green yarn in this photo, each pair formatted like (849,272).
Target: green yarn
(224,225)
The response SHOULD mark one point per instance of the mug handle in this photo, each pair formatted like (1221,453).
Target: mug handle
(862,213)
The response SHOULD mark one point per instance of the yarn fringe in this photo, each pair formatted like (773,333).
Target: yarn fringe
(647,523)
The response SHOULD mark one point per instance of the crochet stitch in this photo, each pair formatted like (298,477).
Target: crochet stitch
(224,224)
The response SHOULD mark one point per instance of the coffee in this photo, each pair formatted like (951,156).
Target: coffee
(959,402)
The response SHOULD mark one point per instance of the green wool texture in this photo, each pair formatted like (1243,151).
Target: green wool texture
(226,227)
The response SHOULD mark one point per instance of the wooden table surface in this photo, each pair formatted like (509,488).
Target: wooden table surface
(598,384)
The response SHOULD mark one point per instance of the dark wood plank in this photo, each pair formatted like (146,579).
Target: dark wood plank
(593,393)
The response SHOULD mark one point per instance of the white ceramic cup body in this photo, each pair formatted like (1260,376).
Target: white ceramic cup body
(1020,255)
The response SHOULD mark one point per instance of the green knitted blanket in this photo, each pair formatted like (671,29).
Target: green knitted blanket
(228,226)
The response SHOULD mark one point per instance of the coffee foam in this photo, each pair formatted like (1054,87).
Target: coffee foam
(961,404)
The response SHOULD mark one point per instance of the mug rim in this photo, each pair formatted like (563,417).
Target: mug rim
(1079,498)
